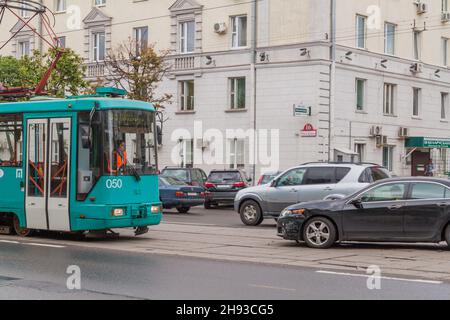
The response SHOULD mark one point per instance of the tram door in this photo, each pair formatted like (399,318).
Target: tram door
(48,174)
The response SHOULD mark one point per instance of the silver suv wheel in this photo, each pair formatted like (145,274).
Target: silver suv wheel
(251,213)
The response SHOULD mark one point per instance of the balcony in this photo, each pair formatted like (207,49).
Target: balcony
(95,70)
(184,63)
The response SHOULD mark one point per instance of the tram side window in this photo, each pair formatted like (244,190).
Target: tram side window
(11,140)
(88,166)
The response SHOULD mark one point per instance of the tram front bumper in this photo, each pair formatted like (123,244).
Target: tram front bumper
(104,217)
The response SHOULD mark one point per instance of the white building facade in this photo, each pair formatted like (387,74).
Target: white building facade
(270,84)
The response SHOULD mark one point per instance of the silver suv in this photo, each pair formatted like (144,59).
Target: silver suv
(308,182)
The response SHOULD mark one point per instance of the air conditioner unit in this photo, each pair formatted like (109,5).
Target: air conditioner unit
(384,140)
(445,17)
(379,141)
(421,7)
(416,68)
(220,28)
(199,144)
(403,133)
(376,131)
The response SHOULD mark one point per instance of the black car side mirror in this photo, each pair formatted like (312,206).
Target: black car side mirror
(357,203)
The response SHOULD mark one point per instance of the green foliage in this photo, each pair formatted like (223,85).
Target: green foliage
(28,71)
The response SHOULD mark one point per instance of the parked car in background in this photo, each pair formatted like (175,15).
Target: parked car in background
(393,210)
(192,176)
(223,185)
(268,177)
(308,182)
(177,194)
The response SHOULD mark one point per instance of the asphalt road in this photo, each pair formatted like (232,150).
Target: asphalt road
(222,216)
(32,271)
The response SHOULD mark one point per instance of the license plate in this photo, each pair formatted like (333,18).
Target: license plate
(192,194)
(223,187)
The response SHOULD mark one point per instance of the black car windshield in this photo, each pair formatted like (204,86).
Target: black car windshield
(224,177)
(181,174)
(170,181)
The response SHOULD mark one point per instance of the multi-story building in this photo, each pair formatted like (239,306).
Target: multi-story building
(304,80)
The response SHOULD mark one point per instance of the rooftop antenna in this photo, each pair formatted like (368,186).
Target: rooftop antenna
(36,10)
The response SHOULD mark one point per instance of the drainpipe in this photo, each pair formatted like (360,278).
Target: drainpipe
(332,75)
(40,28)
(253,77)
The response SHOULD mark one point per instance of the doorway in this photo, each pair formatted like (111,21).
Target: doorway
(419,160)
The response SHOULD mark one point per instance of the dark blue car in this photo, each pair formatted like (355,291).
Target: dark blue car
(177,194)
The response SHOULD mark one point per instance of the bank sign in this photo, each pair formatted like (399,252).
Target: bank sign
(432,143)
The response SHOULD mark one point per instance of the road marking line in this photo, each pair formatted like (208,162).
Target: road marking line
(273,288)
(10,241)
(385,278)
(43,245)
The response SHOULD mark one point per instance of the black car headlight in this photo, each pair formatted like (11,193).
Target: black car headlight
(288,212)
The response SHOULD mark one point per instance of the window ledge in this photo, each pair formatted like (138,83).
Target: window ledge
(361,112)
(390,115)
(186,112)
(236,110)
(416,118)
(444,121)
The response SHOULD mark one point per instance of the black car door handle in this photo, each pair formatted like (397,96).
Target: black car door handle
(395,207)
(443,204)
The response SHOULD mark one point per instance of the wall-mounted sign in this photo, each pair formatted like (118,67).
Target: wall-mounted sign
(302,111)
(308,131)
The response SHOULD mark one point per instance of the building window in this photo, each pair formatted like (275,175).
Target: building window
(444,106)
(239,31)
(417,44)
(389,38)
(445,52)
(23,48)
(360,94)
(61,42)
(361,31)
(24,13)
(388,158)
(444,6)
(60,5)
(99,2)
(186,148)
(187,37)
(237,154)
(237,93)
(389,99)
(187,95)
(360,149)
(141,38)
(417,93)
(98,46)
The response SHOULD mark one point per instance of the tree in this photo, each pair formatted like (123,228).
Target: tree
(68,77)
(138,68)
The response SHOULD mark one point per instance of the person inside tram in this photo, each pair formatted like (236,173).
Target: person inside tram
(121,158)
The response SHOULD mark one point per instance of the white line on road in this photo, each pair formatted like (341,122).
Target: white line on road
(385,278)
(43,245)
(9,241)
(273,288)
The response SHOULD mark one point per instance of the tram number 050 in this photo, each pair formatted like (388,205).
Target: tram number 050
(114,184)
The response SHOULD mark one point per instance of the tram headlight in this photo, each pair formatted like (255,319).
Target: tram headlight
(118,212)
(156,209)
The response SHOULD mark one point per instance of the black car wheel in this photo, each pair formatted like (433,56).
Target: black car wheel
(319,233)
(208,205)
(251,214)
(447,235)
(183,209)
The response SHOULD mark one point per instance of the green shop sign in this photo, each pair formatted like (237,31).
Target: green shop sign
(432,143)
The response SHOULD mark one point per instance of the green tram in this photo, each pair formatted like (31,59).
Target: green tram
(86,163)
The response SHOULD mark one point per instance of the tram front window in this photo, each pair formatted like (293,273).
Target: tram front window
(129,143)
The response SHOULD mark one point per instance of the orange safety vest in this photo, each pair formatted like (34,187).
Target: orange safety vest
(121,162)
